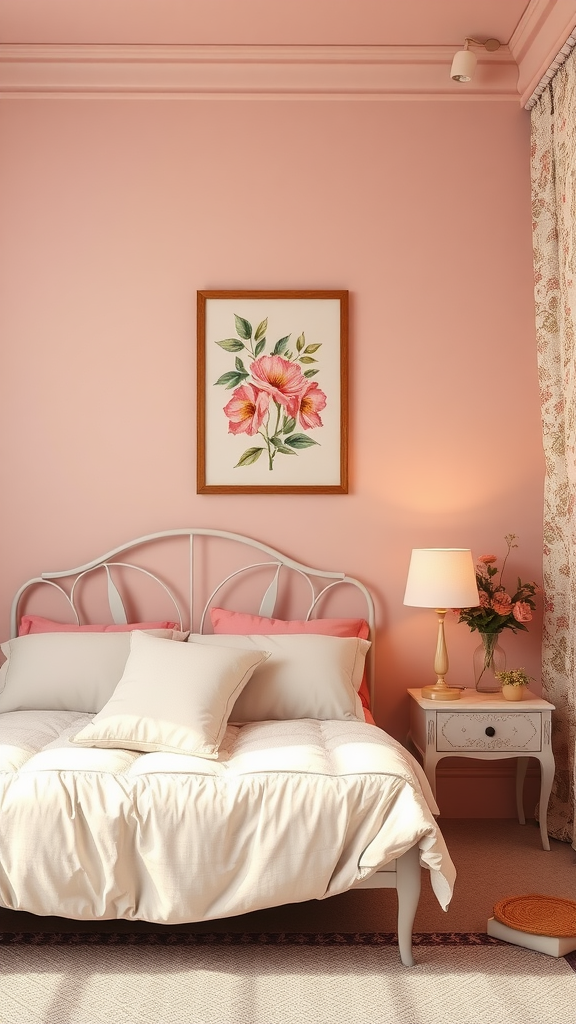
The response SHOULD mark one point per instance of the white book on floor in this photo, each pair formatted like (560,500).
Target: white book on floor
(554,945)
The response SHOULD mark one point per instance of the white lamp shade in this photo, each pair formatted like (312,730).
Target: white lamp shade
(463,66)
(441,578)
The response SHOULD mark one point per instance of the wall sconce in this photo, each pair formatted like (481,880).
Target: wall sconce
(464,63)
(441,578)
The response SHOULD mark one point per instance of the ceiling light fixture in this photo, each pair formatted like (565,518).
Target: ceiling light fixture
(464,63)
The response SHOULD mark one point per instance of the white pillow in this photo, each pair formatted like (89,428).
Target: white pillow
(306,676)
(65,671)
(172,697)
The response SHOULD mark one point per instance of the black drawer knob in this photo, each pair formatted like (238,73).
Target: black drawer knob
(490,730)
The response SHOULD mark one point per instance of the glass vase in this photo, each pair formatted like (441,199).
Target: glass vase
(488,659)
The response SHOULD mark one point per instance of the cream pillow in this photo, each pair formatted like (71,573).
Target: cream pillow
(172,697)
(65,671)
(306,676)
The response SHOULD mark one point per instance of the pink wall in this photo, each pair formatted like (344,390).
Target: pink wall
(115,211)
(259,21)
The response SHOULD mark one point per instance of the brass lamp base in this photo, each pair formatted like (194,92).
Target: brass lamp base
(440,692)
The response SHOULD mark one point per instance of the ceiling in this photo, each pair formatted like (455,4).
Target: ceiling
(270,22)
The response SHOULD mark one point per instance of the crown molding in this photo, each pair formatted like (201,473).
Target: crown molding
(307,72)
(538,38)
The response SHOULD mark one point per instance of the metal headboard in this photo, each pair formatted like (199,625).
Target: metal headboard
(315,579)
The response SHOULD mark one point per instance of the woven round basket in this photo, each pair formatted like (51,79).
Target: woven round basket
(540,915)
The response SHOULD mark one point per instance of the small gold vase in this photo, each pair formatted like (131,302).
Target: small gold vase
(513,692)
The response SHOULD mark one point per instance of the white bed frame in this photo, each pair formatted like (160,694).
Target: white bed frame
(402,874)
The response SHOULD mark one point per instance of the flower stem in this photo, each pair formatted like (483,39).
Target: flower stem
(508,538)
(271,449)
(489,641)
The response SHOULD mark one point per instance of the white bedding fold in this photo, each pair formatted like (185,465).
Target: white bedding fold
(289,811)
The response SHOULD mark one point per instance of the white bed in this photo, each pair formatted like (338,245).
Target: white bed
(270,811)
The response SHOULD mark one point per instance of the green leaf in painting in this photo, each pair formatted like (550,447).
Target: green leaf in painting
(288,424)
(260,347)
(308,359)
(300,441)
(301,342)
(231,379)
(261,330)
(243,327)
(231,345)
(280,446)
(281,346)
(311,373)
(240,365)
(250,455)
(312,348)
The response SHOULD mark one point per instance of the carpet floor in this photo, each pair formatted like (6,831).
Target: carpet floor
(273,984)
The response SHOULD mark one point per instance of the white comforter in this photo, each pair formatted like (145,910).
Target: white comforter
(290,811)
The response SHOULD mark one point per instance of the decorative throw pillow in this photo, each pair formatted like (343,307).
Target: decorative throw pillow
(37,624)
(225,621)
(65,671)
(172,697)
(306,676)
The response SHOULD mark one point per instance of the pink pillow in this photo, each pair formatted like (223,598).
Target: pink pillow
(36,624)
(242,624)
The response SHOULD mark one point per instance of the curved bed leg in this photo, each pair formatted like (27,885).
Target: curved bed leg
(408,880)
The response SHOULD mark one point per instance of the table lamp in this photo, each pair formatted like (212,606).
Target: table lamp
(441,578)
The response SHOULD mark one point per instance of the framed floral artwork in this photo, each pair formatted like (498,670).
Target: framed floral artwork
(272,392)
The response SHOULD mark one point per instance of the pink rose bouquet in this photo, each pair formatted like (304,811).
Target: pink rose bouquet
(499,609)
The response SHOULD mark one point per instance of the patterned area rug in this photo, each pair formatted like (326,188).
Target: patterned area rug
(182,938)
(229,978)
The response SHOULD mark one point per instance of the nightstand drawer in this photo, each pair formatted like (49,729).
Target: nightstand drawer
(489,731)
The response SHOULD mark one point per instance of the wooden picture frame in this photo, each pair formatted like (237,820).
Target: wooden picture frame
(272,392)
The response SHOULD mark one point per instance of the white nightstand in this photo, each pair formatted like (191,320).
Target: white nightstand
(487,727)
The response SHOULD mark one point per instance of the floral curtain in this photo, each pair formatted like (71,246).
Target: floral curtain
(554,237)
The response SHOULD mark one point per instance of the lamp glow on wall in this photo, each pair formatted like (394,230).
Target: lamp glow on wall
(464,63)
(441,578)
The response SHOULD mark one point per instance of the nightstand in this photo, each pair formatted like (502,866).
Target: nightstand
(487,727)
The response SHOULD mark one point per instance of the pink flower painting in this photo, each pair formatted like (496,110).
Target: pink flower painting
(272,393)
(312,401)
(282,379)
(246,410)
